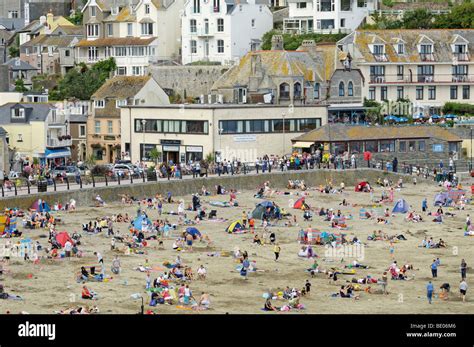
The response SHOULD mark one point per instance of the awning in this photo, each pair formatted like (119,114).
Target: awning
(301,144)
(57,153)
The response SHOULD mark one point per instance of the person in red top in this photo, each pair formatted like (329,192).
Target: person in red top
(252,225)
(86,294)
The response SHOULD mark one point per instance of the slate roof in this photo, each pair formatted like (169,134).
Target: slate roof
(121,87)
(33,111)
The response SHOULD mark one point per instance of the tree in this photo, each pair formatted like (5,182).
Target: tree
(460,17)
(90,160)
(82,81)
(20,86)
(14,51)
(421,18)
(292,42)
(155,155)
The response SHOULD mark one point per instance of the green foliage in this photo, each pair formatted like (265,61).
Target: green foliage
(460,17)
(374,110)
(388,3)
(76,18)
(155,155)
(210,158)
(458,108)
(20,86)
(14,51)
(90,160)
(292,42)
(83,81)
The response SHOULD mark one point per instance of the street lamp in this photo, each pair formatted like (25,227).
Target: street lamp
(143,145)
(139,296)
(471,152)
(283,142)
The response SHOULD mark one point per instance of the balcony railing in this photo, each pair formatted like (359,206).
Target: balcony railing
(421,79)
(58,143)
(204,32)
(427,57)
(58,119)
(380,57)
(464,56)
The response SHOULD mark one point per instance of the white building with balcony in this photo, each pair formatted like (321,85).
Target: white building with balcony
(223,30)
(426,67)
(326,16)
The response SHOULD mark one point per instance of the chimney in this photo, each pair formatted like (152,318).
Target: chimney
(310,47)
(50,18)
(277,43)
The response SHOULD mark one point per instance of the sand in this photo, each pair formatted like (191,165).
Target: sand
(53,286)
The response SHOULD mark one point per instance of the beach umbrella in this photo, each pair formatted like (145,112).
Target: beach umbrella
(402,119)
(391,118)
(193,231)
(435,116)
(450,116)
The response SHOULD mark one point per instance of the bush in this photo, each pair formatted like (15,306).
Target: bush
(458,108)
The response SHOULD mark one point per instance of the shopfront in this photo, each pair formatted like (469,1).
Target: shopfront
(170,150)
(194,153)
(56,156)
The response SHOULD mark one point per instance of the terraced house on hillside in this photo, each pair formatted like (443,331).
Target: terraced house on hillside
(135,33)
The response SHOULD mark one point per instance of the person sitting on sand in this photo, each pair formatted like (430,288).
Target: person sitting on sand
(257,240)
(87,294)
(268,306)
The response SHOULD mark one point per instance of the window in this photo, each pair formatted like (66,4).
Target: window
(400,93)
(67,53)
(269,125)
(220,46)
(172,126)
(400,72)
(301,5)
(93,30)
(421,145)
(137,70)
(453,147)
(82,130)
(193,46)
(387,146)
(400,48)
(93,11)
(350,89)
(97,127)
(216,6)
(372,93)
(372,146)
(145,151)
(431,93)
(253,23)
(193,25)
(120,51)
(220,25)
(460,73)
(377,73)
(110,127)
(419,93)
(20,138)
(129,29)
(284,91)
(197,6)
(343,22)
(454,92)
(122,70)
(121,102)
(110,31)
(12,14)
(147,9)
(466,91)
(98,153)
(411,146)
(18,113)
(341,89)
(317,88)
(426,52)
(425,73)
(99,103)
(402,146)
(438,147)
(147,29)
(383,93)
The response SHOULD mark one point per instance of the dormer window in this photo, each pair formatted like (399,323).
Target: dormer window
(99,103)
(93,11)
(426,52)
(122,102)
(379,52)
(147,9)
(400,48)
(115,11)
(18,113)
(461,52)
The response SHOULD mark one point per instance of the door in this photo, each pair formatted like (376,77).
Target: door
(242,95)
(206,48)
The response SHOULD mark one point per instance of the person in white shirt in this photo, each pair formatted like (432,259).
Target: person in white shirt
(201,273)
(463,290)
(68,248)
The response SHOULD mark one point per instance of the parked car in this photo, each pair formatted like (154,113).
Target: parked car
(59,171)
(122,170)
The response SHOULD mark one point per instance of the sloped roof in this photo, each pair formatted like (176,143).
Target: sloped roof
(22,65)
(121,87)
(33,111)
(442,39)
(125,15)
(116,41)
(344,132)
(274,64)
(50,40)
(74,30)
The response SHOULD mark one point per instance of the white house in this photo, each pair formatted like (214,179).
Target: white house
(135,33)
(326,16)
(223,30)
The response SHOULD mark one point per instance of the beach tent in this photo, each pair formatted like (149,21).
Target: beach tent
(401,206)
(441,199)
(137,223)
(235,227)
(3,224)
(301,204)
(193,231)
(260,209)
(455,194)
(63,237)
(40,206)
(360,186)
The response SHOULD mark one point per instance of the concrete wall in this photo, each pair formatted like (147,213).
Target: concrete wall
(86,196)
(195,80)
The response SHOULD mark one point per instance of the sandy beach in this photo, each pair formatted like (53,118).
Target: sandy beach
(51,285)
